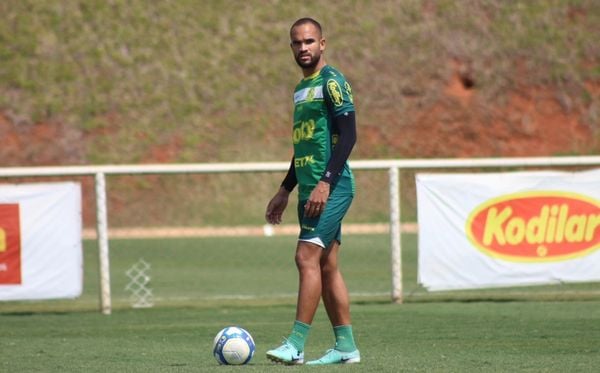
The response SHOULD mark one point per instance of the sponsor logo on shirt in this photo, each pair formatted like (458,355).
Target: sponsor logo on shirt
(303,131)
(335,92)
(304,161)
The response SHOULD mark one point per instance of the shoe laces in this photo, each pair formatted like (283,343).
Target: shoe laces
(330,351)
(286,344)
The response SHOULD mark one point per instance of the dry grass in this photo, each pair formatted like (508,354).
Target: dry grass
(213,78)
(191,81)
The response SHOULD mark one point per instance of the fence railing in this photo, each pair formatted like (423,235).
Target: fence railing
(394,166)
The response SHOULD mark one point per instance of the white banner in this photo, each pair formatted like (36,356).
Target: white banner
(508,229)
(40,241)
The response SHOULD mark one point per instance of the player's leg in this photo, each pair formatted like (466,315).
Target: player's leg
(307,259)
(334,291)
(337,304)
(309,294)
(309,271)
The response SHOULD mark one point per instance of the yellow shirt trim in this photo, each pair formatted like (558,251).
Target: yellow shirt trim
(313,75)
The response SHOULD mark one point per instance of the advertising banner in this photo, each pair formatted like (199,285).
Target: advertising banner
(508,229)
(40,241)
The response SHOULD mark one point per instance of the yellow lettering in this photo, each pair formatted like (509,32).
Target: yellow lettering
(592,223)
(335,92)
(297,135)
(308,129)
(575,228)
(551,230)
(2,240)
(536,227)
(493,225)
(303,161)
(553,224)
(515,231)
(562,222)
(305,131)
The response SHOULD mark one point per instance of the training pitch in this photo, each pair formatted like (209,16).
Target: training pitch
(202,285)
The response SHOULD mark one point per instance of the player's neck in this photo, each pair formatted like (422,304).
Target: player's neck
(313,70)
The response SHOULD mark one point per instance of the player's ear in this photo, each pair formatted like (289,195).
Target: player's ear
(322,44)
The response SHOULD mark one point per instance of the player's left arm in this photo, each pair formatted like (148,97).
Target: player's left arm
(346,125)
(338,98)
(340,102)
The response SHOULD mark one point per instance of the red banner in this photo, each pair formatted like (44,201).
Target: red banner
(10,245)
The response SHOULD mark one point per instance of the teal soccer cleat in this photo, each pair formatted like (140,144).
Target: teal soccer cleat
(337,357)
(286,354)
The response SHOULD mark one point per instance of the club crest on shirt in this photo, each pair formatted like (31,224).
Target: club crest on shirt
(335,92)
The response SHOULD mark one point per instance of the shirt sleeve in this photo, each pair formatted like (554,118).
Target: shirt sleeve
(290,180)
(338,95)
(338,98)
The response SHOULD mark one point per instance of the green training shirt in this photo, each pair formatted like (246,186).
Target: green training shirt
(317,100)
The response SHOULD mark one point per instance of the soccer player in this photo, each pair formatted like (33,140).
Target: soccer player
(324,133)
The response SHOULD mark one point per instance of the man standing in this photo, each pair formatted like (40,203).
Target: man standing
(324,133)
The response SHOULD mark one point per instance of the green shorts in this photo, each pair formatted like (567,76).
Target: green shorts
(325,228)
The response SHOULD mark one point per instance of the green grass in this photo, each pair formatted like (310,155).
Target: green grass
(543,328)
(238,271)
(440,337)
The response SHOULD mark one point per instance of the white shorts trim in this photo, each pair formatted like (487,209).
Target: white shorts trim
(315,240)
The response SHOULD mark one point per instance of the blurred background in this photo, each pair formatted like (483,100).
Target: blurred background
(100,82)
(135,82)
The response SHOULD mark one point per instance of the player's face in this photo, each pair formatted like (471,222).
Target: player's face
(307,45)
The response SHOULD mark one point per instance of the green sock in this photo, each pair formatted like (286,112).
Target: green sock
(299,334)
(344,340)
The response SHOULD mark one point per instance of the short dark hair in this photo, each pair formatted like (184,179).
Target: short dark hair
(304,20)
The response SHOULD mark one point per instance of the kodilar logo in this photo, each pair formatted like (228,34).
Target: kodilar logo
(536,226)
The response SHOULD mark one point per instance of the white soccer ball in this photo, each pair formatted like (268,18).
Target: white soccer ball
(233,346)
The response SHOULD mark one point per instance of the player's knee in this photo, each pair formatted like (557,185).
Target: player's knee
(328,267)
(307,257)
(305,264)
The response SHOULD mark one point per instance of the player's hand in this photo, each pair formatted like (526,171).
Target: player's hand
(277,206)
(317,200)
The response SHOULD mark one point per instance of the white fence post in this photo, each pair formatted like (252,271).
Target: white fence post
(395,235)
(393,165)
(102,232)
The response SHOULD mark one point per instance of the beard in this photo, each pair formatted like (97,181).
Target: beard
(314,60)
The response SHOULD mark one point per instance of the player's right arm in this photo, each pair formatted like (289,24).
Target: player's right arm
(279,202)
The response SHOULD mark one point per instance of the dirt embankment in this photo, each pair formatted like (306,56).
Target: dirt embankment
(531,121)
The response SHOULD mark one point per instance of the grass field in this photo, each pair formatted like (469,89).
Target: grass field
(443,337)
(548,328)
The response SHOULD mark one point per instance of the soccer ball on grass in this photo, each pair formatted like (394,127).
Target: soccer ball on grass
(233,346)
